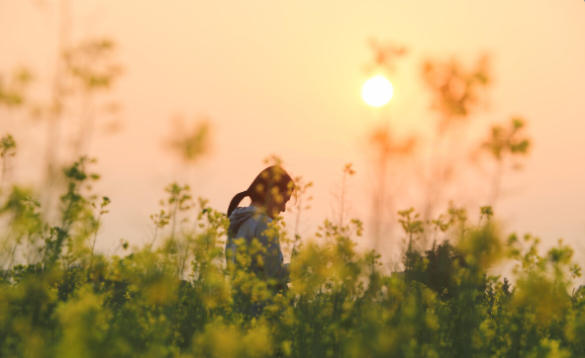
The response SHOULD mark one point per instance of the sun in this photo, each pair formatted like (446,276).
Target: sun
(377,91)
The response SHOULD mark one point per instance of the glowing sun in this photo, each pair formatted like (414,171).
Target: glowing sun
(377,91)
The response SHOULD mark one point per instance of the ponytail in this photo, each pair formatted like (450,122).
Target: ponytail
(236,201)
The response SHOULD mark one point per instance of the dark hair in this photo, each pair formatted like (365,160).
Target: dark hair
(269,178)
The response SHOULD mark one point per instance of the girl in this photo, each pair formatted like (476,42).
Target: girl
(263,258)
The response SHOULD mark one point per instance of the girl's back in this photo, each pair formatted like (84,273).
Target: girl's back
(251,223)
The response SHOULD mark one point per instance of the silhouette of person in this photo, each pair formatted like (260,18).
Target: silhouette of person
(269,192)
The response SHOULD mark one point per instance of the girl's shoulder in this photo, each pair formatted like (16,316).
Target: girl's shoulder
(261,216)
(250,214)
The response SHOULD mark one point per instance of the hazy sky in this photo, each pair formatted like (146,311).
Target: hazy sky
(284,77)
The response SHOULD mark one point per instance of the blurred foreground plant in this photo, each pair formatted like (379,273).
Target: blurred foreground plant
(58,297)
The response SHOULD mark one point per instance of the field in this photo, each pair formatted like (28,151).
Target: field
(435,144)
(59,298)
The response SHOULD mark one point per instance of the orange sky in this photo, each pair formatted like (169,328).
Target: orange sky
(285,77)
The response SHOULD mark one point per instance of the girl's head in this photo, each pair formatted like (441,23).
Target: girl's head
(271,189)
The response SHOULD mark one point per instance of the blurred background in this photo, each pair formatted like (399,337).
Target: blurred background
(487,107)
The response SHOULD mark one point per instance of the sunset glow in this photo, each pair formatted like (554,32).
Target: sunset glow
(203,92)
(377,91)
